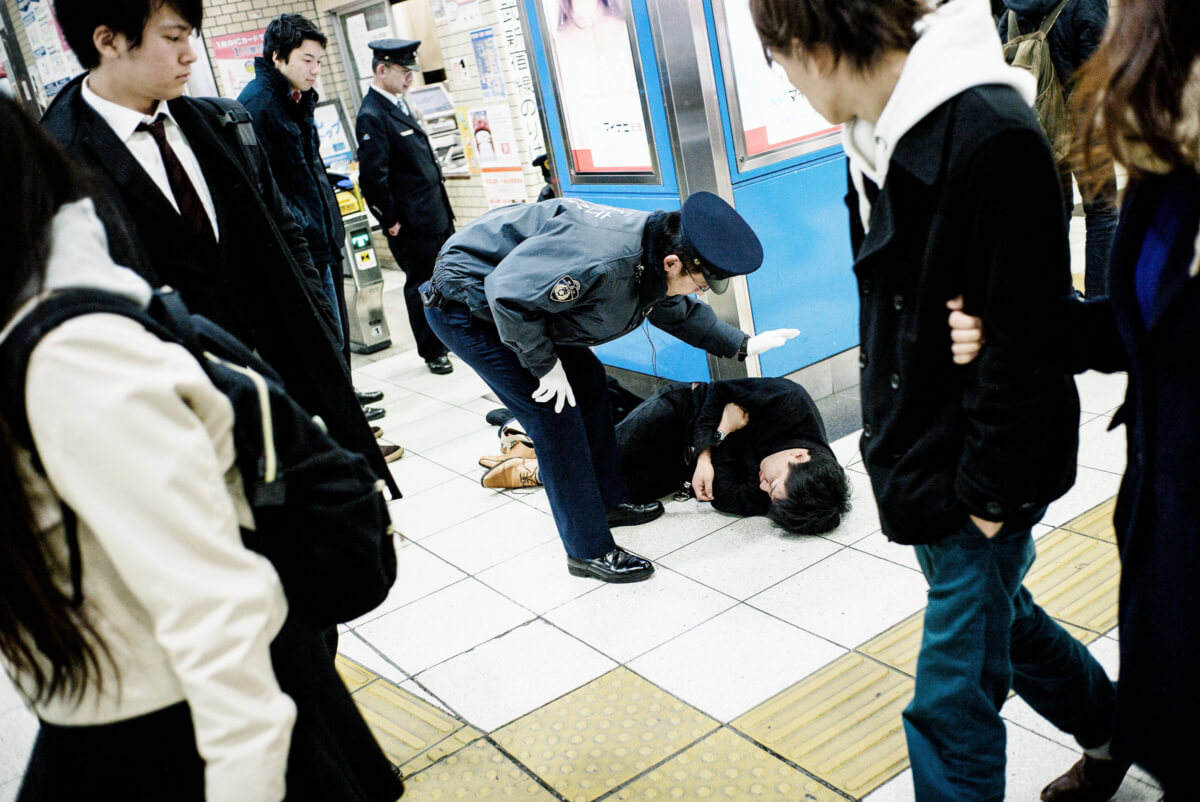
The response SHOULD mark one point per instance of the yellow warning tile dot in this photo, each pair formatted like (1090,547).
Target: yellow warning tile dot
(479,771)
(726,766)
(620,725)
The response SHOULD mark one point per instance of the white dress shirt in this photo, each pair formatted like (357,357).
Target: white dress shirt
(124,122)
(393,99)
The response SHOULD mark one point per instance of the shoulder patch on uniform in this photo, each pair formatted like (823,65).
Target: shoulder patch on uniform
(565,290)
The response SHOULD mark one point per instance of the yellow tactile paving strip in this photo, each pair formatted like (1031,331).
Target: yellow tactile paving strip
(621,737)
(602,735)
(841,724)
(726,766)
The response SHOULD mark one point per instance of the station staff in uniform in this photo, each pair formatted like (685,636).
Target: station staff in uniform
(521,293)
(401,179)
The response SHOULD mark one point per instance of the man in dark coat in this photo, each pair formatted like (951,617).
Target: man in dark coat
(281,100)
(238,256)
(182,206)
(1074,37)
(402,183)
(750,446)
(946,160)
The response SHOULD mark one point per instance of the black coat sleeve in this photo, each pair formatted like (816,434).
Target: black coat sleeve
(735,488)
(374,155)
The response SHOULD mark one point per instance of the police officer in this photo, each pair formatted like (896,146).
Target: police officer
(520,294)
(402,181)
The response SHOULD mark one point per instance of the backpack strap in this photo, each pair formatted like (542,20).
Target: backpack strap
(231,113)
(1052,17)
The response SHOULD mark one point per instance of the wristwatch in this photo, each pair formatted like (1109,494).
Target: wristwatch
(718,436)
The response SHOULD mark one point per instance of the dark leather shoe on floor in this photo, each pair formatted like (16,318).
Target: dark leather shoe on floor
(498,417)
(368,396)
(634,514)
(377,431)
(374,413)
(441,365)
(1089,780)
(391,453)
(616,566)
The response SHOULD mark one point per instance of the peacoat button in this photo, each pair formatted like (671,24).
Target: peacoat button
(862,359)
(866,286)
(898,302)
(894,381)
(994,509)
(866,430)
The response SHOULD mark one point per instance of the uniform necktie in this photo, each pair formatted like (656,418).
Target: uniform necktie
(186,197)
(404,107)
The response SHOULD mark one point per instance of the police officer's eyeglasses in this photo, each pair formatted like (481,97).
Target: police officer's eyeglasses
(697,279)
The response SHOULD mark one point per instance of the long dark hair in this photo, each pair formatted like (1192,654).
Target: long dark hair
(1129,98)
(36,178)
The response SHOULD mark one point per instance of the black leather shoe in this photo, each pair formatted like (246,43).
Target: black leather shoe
(374,413)
(616,566)
(368,396)
(498,416)
(634,514)
(440,365)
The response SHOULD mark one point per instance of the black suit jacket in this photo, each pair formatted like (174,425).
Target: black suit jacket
(398,171)
(257,282)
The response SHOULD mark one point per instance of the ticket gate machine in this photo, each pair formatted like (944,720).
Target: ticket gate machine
(364,288)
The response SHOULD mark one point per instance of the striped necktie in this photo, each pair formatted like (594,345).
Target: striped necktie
(186,197)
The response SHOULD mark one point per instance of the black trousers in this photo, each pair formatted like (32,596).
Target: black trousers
(654,440)
(145,759)
(415,254)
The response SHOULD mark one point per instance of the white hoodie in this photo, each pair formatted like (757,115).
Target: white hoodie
(958,49)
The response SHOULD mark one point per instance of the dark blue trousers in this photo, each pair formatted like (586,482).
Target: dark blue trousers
(984,635)
(577,452)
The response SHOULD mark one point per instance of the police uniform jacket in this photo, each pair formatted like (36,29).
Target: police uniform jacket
(398,171)
(287,133)
(996,438)
(567,272)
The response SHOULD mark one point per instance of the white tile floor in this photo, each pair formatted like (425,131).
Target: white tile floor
(485,621)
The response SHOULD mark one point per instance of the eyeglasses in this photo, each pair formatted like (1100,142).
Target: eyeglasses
(697,279)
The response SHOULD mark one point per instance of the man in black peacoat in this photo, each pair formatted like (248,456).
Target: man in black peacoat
(402,182)
(257,280)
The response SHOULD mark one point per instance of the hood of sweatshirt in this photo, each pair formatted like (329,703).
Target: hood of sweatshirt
(958,49)
(79,258)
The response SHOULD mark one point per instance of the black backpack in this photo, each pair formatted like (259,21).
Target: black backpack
(319,511)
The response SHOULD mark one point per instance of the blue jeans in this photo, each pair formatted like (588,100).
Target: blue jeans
(983,636)
(576,448)
(331,294)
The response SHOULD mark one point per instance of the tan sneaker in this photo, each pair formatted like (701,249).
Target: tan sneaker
(513,472)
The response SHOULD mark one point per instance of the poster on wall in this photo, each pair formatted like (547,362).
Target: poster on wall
(598,88)
(462,14)
(773,113)
(54,63)
(504,186)
(336,150)
(234,55)
(529,120)
(494,147)
(487,63)
(360,28)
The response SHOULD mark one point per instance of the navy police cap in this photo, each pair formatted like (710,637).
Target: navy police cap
(397,51)
(723,242)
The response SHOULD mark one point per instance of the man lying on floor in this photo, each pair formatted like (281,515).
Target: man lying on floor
(750,446)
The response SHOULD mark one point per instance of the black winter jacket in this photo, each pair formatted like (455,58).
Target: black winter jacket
(996,438)
(1074,37)
(288,134)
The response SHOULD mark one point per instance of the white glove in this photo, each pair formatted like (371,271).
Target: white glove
(554,385)
(768,340)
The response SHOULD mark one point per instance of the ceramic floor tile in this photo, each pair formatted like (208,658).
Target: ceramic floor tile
(897,789)
(18,728)
(412,733)
(530,496)
(350,645)
(863,518)
(731,663)
(477,771)
(847,598)
(412,408)
(413,473)
(1091,488)
(8,790)
(479,543)
(483,405)
(462,455)
(1100,448)
(747,556)
(435,429)
(391,366)
(418,573)
(878,545)
(683,522)
(846,448)
(422,380)
(10,698)
(443,624)
(514,674)
(418,515)
(538,579)
(1100,392)
(462,389)
(623,621)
